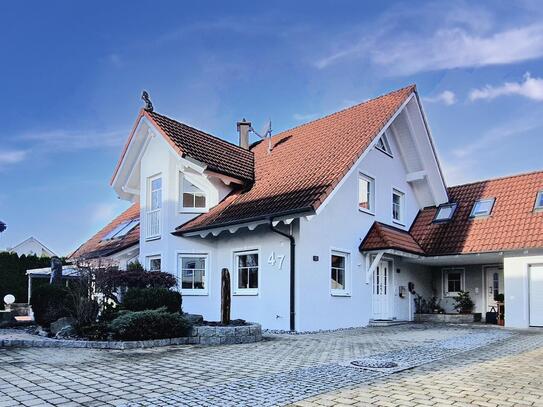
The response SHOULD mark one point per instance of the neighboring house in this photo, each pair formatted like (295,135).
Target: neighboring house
(31,247)
(116,244)
(329,228)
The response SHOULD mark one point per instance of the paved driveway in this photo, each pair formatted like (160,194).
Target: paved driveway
(434,365)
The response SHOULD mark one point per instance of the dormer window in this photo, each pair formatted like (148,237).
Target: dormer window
(192,197)
(445,212)
(539,201)
(383,145)
(482,207)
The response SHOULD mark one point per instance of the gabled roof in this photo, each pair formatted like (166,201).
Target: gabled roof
(383,237)
(95,247)
(512,225)
(218,155)
(32,239)
(306,164)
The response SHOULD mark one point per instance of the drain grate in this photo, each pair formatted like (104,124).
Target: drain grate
(374,364)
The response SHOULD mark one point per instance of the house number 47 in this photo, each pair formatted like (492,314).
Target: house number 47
(273,260)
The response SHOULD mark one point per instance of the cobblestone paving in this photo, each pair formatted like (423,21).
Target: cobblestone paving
(303,365)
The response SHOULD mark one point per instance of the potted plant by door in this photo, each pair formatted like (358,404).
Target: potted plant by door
(500,298)
(463,302)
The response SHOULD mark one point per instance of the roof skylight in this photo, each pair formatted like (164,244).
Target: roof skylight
(121,229)
(539,201)
(482,207)
(445,212)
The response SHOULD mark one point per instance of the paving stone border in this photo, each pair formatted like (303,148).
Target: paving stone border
(200,335)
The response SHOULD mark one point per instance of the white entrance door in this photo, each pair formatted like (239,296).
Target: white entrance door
(381,291)
(535,275)
(494,286)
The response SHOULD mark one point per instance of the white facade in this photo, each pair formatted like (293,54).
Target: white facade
(153,172)
(31,247)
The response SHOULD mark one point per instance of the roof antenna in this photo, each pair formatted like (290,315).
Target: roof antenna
(266,134)
(148,104)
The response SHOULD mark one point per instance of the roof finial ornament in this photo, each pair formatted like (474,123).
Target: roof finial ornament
(148,104)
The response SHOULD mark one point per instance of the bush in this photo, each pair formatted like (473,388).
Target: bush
(149,324)
(111,279)
(95,332)
(463,303)
(140,299)
(49,303)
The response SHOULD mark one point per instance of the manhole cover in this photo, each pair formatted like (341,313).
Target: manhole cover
(374,364)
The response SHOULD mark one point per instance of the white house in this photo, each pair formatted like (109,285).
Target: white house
(31,247)
(339,223)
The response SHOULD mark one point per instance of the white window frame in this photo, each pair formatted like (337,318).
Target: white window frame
(193,291)
(387,150)
(538,198)
(150,212)
(371,180)
(472,213)
(445,278)
(245,291)
(194,181)
(338,292)
(148,260)
(401,194)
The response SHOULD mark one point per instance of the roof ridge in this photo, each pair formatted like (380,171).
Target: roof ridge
(201,131)
(414,86)
(503,177)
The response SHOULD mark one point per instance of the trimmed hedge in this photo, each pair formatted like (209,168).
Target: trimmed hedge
(140,299)
(49,303)
(149,324)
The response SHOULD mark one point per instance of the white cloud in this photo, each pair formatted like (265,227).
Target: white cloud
(446,97)
(305,117)
(12,157)
(531,88)
(105,212)
(69,141)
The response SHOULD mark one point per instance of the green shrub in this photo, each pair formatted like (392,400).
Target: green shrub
(149,324)
(49,303)
(140,299)
(95,332)
(463,302)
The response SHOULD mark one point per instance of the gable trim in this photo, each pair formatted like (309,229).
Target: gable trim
(356,164)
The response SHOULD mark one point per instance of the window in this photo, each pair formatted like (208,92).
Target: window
(339,269)
(193,273)
(154,205)
(482,207)
(397,206)
(454,281)
(383,145)
(192,197)
(445,212)
(121,229)
(246,264)
(366,193)
(153,263)
(539,201)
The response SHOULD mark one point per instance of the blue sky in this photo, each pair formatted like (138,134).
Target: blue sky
(73,73)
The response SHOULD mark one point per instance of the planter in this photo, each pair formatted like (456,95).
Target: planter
(449,318)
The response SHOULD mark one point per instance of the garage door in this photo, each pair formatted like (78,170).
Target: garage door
(536,295)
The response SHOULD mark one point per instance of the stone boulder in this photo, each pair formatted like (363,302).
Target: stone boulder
(61,324)
(194,319)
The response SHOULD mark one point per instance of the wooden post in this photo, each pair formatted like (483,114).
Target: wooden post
(225,297)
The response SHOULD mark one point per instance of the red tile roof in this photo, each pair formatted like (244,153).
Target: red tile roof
(512,224)
(219,155)
(306,164)
(382,237)
(95,247)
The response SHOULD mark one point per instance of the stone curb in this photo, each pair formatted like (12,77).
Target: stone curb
(200,335)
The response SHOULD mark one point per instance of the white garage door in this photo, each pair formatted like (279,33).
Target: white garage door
(536,294)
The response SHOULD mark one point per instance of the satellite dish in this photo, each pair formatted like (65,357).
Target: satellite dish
(9,299)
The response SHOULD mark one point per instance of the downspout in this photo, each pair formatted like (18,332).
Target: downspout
(292,273)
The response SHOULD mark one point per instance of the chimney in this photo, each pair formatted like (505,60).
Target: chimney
(243,128)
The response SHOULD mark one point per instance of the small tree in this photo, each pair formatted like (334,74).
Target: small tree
(463,302)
